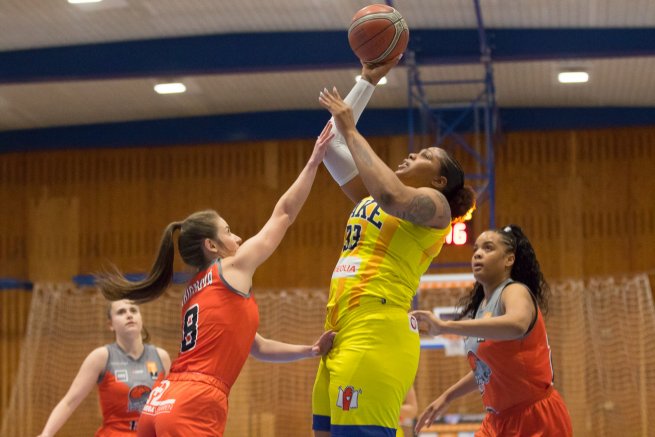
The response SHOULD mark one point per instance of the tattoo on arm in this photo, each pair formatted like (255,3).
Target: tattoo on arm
(423,209)
(420,210)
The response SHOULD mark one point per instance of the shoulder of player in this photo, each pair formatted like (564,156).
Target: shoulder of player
(98,357)
(163,355)
(517,290)
(435,200)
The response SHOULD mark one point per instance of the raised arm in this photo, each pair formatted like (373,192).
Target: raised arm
(338,159)
(439,406)
(423,206)
(81,386)
(274,351)
(240,268)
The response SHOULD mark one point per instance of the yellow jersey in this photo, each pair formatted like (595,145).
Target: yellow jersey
(383,258)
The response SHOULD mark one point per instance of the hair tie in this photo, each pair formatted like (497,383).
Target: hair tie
(507,229)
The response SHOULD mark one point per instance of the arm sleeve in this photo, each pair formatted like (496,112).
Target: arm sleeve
(338,159)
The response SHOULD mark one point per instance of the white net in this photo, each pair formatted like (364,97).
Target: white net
(600,331)
(67,322)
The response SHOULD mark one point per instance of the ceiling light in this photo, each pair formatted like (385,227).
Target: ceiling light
(382,81)
(78,2)
(573,77)
(170,88)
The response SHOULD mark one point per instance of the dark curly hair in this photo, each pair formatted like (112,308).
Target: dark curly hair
(525,270)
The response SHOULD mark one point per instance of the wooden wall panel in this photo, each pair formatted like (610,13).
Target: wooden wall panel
(53,238)
(14,311)
(584,198)
(13,216)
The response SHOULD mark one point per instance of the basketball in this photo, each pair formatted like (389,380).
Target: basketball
(377,34)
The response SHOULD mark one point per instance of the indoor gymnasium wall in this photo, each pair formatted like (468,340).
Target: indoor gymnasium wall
(73,212)
(14,312)
(583,197)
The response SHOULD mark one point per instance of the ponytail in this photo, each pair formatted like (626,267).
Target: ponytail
(462,204)
(461,198)
(526,268)
(114,286)
(468,304)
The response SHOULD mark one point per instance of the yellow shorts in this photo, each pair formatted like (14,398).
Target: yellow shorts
(362,382)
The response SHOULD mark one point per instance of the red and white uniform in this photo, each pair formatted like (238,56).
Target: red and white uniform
(219,325)
(124,387)
(515,378)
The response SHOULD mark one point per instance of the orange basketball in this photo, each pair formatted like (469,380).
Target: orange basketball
(378,33)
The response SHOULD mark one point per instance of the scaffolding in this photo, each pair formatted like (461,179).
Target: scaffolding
(452,121)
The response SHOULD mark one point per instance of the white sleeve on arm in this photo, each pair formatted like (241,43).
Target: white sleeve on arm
(338,159)
(359,96)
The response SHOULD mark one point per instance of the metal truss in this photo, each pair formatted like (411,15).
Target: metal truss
(469,125)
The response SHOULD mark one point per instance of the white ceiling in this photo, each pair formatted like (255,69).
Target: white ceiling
(46,23)
(30,24)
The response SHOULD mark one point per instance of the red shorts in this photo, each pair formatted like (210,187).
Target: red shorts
(547,417)
(118,428)
(189,404)
(108,431)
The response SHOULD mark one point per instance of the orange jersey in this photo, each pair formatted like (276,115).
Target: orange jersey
(124,387)
(219,325)
(510,372)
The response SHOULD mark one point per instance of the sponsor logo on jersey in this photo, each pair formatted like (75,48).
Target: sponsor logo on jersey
(347,267)
(348,398)
(482,373)
(155,405)
(121,375)
(152,369)
(137,397)
(413,324)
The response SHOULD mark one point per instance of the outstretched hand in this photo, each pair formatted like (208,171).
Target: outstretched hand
(433,412)
(428,323)
(320,147)
(374,72)
(341,112)
(324,343)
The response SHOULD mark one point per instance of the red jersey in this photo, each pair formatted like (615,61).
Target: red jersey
(219,325)
(124,387)
(510,372)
